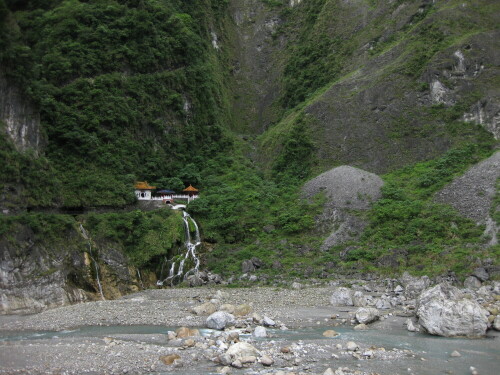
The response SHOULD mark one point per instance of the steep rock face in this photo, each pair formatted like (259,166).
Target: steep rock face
(347,189)
(465,68)
(36,275)
(20,116)
(391,103)
(473,193)
(33,278)
(255,66)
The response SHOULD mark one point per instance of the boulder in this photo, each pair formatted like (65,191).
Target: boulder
(247,266)
(366,315)
(481,274)
(330,333)
(414,285)
(399,289)
(257,318)
(242,349)
(410,326)
(237,363)
(220,320)
(259,331)
(227,307)
(184,332)
(243,309)
(361,327)
(268,322)
(205,309)
(266,360)
(258,263)
(248,359)
(342,297)
(220,295)
(169,359)
(445,311)
(472,283)
(195,281)
(359,299)
(383,303)
(352,346)
(496,323)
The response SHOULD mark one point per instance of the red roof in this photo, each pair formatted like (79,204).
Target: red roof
(143,185)
(190,189)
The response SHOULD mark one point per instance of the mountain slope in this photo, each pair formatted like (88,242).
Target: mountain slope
(247,100)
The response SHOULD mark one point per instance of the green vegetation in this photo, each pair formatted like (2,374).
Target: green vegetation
(45,227)
(316,57)
(29,176)
(133,90)
(417,233)
(127,90)
(147,237)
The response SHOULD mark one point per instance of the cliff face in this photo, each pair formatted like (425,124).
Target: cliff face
(21,117)
(37,273)
(255,64)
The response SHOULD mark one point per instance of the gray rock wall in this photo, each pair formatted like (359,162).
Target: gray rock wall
(21,117)
(39,274)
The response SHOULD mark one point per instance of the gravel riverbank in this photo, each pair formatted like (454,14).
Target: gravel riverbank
(171,307)
(131,335)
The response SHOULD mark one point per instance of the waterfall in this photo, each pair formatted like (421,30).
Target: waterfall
(140,278)
(190,253)
(89,242)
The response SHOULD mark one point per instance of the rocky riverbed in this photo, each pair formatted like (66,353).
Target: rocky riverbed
(264,331)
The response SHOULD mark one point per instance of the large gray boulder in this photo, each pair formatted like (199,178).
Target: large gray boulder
(413,286)
(220,320)
(444,310)
(342,297)
(366,315)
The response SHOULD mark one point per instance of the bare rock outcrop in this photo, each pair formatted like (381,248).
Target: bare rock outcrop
(346,189)
(472,194)
(20,116)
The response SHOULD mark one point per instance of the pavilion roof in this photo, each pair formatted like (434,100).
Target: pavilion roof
(190,188)
(143,185)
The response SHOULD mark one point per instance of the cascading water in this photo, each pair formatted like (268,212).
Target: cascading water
(87,237)
(191,245)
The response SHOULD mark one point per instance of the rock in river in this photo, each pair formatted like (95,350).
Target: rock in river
(330,333)
(445,311)
(220,320)
(366,315)
(260,332)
